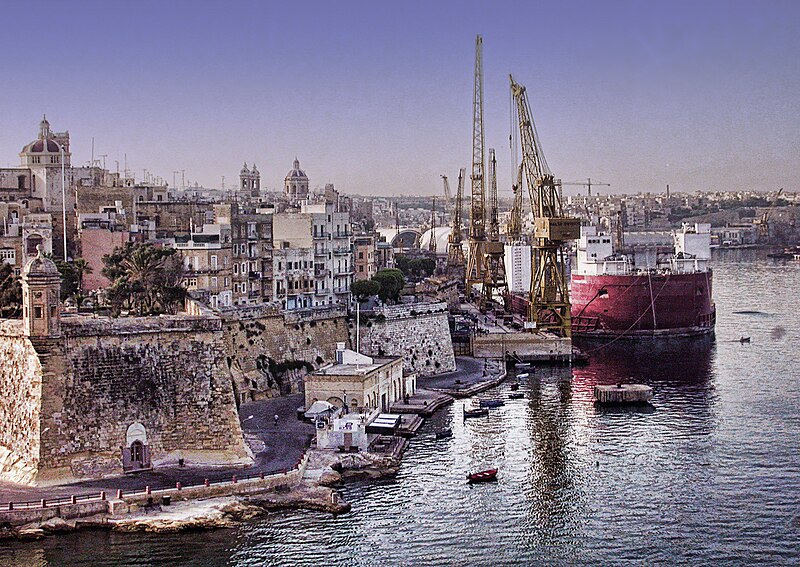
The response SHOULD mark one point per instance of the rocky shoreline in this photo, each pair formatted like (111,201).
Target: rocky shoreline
(315,491)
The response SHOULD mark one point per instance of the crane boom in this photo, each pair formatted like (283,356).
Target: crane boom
(549,307)
(447,197)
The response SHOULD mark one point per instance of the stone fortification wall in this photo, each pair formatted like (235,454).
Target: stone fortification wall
(266,349)
(20,401)
(168,374)
(418,332)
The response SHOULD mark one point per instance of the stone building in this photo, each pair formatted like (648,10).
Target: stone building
(37,182)
(364,252)
(208,264)
(251,252)
(250,182)
(82,397)
(21,233)
(294,277)
(358,381)
(295,185)
(98,235)
(333,252)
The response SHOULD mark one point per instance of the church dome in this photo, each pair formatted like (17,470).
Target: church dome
(296,172)
(45,142)
(41,146)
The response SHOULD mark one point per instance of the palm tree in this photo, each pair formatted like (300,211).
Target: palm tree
(81,268)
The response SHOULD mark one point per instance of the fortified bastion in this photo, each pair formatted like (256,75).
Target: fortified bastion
(84,396)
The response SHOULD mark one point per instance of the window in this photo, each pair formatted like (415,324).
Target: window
(37,312)
(214,282)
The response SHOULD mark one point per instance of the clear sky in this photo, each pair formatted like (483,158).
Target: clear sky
(376,96)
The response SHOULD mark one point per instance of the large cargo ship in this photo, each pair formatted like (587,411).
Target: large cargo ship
(643,291)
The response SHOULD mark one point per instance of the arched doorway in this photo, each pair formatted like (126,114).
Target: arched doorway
(136,453)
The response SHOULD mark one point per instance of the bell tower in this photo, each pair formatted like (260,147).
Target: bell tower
(41,287)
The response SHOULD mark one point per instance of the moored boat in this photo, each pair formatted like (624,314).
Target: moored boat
(444,433)
(516,395)
(477,412)
(493,403)
(482,476)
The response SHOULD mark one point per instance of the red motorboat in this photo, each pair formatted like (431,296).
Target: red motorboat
(482,476)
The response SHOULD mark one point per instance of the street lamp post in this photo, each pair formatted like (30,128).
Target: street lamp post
(63,200)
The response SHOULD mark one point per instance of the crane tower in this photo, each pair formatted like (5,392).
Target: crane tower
(549,307)
(432,243)
(477,225)
(494,270)
(455,251)
(514,229)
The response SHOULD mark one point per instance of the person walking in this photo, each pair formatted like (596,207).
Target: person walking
(276,419)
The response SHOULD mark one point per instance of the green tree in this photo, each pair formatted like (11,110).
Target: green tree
(415,267)
(362,290)
(71,276)
(81,268)
(10,293)
(145,279)
(391,282)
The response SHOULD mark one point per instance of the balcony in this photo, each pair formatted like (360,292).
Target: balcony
(254,275)
(340,251)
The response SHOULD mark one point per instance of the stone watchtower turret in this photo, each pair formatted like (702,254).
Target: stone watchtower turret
(41,287)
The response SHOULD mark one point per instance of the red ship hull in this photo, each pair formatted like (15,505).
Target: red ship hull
(642,305)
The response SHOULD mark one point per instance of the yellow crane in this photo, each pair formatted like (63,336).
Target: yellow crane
(549,308)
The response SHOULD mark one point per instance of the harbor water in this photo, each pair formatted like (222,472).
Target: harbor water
(710,473)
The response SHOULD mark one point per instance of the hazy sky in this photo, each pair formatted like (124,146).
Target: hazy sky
(376,96)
